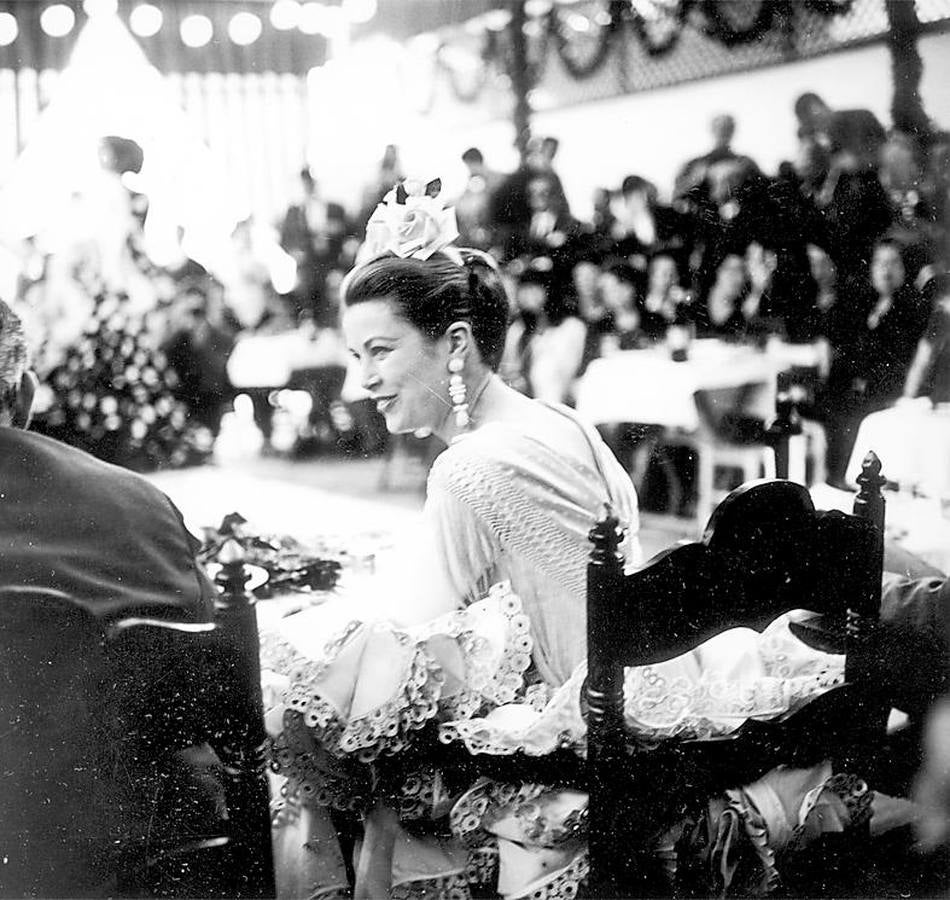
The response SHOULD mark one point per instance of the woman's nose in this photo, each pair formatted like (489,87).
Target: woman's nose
(369,377)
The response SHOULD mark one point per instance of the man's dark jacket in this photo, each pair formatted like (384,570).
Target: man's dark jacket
(103,535)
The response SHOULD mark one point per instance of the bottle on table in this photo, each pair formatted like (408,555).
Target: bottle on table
(679,333)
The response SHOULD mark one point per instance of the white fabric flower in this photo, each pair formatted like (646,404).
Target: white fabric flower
(417,227)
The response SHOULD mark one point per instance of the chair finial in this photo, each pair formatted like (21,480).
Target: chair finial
(231,552)
(871,471)
(606,537)
(869,503)
(233,576)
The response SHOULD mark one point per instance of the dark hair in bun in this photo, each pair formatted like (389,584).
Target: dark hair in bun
(433,293)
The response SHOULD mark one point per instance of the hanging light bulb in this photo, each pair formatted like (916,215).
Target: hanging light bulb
(57,20)
(285,14)
(8,29)
(196,30)
(244,28)
(145,20)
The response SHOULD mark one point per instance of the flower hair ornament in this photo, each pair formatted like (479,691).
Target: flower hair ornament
(411,222)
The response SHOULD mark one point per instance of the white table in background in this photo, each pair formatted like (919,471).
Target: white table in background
(648,387)
(912,441)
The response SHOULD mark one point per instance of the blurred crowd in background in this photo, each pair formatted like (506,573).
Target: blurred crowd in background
(844,247)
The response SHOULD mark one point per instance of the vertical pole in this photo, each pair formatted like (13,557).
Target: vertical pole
(786,439)
(907,109)
(520,75)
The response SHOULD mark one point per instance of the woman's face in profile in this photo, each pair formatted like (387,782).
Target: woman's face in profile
(404,372)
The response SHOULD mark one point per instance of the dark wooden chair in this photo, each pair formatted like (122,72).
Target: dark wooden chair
(133,752)
(765,551)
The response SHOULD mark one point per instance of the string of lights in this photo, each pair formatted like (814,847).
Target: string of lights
(197,29)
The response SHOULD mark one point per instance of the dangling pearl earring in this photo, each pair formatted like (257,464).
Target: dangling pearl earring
(457,392)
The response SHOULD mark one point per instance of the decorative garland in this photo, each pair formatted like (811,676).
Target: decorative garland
(721,26)
(581,69)
(760,16)
(675,18)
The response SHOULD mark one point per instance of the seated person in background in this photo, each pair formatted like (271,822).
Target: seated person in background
(874,335)
(664,293)
(117,547)
(721,315)
(645,227)
(622,287)
(826,297)
(544,346)
(585,278)
(549,226)
(758,308)
(929,371)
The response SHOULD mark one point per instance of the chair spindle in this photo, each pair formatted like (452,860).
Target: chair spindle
(862,621)
(245,747)
(786,438)
(604,696)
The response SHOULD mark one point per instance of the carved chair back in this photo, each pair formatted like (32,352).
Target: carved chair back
(765,551)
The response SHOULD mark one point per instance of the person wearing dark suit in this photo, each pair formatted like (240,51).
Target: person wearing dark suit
(874,334)
(549,229)
(73,523)
(101,544)
(312,232)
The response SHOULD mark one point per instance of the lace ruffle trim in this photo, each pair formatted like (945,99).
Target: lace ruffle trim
(467,817)
(657,708)
(491,677)
(387,728)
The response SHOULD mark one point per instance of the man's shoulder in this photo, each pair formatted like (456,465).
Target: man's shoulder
(66,465)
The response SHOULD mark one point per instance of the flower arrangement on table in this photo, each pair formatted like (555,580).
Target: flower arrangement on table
(289,564)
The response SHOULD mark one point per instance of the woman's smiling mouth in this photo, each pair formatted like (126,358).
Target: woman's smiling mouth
(384,403)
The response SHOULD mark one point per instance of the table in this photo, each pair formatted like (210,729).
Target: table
(912,440)
(915,523)
(366,529)
(648,387)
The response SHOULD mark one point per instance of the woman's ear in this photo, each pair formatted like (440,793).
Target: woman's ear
(460,338)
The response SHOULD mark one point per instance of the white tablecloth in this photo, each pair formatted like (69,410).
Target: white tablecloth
(648,387)
(918,524)
(913,443)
